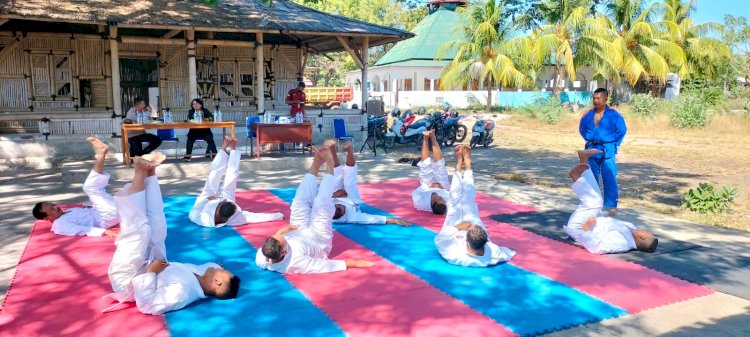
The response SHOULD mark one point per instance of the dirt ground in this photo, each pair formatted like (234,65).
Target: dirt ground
(657,163)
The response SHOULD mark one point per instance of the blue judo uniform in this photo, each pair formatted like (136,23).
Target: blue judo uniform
(606,137)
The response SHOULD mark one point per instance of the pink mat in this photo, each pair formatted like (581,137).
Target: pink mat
(57,290)
(625,284)
(380,301)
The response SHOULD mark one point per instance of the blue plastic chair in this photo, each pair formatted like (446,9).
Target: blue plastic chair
(250,132)
(339,130)
(167,135)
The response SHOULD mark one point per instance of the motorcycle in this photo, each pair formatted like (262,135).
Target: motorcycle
(401,132)
(453,130)
(481,132)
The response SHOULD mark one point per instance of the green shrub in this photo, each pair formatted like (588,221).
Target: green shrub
(689,111)
(712,96)
(546,109)
(644,105)
(552,111)
(738,91)
(707,199)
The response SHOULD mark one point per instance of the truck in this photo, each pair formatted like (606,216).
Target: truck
(328,96)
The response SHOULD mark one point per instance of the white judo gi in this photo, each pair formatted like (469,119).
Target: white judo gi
(309,245)
(462,207)
(609,235)
(347,178)
(141,241)
(225,166)
(430,172)
(91,220)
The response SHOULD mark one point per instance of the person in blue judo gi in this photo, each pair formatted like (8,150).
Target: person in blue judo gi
(603,128)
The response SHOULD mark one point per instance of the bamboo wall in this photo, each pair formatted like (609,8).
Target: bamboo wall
(68,76)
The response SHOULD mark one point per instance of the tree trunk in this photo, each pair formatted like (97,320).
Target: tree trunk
(555,80)
(489,97)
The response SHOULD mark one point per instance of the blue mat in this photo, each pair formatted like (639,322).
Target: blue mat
(267,305)
(523,301)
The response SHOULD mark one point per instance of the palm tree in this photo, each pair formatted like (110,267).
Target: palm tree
(485,51)
(573,37)
(703,53)
(647,55)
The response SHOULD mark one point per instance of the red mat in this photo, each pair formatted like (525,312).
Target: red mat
(57,290)
(380,301)
(625,284)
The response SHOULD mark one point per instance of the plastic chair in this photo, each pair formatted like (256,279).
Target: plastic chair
(250,132)
(167,135)
(339,130)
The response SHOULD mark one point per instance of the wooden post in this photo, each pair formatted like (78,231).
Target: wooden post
(260,73)
(365,56)
(192,72)
(114,55)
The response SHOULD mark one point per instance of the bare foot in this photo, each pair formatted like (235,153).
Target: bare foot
(233,144)
(584,155)
(329,143)
(613,212)
(426,134)
(458,151)
(142,164)
(100,149)
(467,150)
(346,146)
(155,158)
(225,144)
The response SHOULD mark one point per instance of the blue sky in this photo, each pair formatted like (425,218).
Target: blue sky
(714,10)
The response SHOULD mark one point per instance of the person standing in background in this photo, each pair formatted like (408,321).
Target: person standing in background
(603,128)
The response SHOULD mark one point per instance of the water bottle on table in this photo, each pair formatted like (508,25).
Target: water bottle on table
(198,116)
(168,116)
(218,115)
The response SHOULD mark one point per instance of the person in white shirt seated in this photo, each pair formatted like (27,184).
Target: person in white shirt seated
(139,270)
(432,193)
(94,220)
(303,246)
(137,137)
(587,225)
(464,240)
(346,195)
(216,205)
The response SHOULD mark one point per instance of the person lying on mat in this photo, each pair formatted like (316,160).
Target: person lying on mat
(346,196)
(464,240)
(303,246)
(587,225)
(94,220)
(216,206)
(432,193)
(139,270)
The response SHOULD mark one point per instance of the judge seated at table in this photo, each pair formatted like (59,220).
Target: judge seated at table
(138,137)
(195,134)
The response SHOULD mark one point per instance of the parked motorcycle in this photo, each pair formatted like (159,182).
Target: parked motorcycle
(454,131)
(481,132)
(401,132)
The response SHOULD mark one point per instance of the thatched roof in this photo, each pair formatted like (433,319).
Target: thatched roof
(284,17)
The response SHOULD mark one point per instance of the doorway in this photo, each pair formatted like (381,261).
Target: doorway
(136,77)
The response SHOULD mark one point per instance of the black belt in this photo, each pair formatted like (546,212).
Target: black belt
(604,149)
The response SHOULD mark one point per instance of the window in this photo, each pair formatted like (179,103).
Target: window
(427,84)
(51,75)
(226,80)
(247,79)
(407,84)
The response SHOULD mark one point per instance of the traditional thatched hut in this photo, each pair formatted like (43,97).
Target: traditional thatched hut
(76,62)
